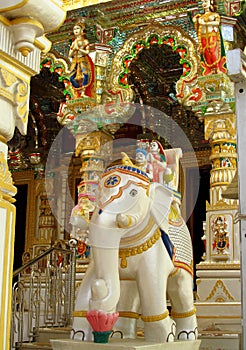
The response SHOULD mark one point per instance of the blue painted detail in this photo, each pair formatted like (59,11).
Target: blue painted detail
(129,168)
(168,244)
(100,211)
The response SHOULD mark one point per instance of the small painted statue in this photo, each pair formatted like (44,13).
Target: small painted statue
(82,68)
(209,38)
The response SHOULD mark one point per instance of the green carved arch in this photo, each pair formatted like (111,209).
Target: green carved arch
(175,37)
(61,67)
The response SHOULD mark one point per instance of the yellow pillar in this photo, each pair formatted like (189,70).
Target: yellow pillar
(22,26)
(7,231)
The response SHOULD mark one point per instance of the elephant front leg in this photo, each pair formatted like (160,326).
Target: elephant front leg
(155,266)
(180,293)
(105,291)
(81,327)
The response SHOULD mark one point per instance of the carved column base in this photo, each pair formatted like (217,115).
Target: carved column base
(219,298)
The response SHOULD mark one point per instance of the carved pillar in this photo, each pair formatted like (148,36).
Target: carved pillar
(95,150)
(210,94)
(218,285)
(21,28)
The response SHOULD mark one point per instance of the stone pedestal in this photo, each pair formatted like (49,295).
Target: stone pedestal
(124,344)
(218,298)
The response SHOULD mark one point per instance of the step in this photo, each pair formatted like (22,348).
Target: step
(124,344)
(46,334)
(34,346)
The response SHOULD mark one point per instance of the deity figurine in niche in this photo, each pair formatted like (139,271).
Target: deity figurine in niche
(221,235)
(210,41)
(82,68)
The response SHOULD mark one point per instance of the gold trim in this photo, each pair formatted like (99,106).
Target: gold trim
(222,316)
(125,253)
(27,20)
(8,198)
(4,20)
(216,266)
(221,205)
(183,314)
(219,284)
(173,273)
(129,314)
(6,300)
(13,62)
(14,7)
(7,95)
(25,51)
(216,184)
(3,139)
(122,188)
(39,45)
(186,267)
(155,317)
(6,181)
(140,235)
(81,313)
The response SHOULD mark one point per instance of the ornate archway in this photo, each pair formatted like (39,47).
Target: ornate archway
(174,37)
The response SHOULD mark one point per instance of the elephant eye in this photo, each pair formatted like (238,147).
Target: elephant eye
(133,192)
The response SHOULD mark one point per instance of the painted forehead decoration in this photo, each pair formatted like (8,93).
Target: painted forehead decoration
(127,169)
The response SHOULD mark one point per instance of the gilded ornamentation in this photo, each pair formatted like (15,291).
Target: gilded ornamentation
(155,318)
(221,205)
(183,315)
(223,127)
(124,253)
(22,101)
(6,181)
(8,78)
(129,314)
(219,293)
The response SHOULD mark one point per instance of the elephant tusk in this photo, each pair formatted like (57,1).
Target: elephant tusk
(124,221)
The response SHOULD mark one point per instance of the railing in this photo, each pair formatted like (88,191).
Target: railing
(43,295)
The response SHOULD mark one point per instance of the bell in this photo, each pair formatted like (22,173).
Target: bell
(231,191)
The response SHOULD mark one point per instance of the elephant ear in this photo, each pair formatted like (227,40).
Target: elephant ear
(161,199)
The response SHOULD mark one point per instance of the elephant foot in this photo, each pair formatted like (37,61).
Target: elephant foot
(187,334)
(81,330)
(186,328)
(160,331)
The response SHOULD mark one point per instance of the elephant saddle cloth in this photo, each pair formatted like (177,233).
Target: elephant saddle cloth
(182,253)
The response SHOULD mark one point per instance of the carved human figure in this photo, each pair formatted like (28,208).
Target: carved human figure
(141,162)
(210,44)
(157,159)
(82,68)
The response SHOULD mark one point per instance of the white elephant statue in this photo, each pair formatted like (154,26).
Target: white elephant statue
(141,254)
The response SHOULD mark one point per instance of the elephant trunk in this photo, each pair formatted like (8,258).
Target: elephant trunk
(106,286)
